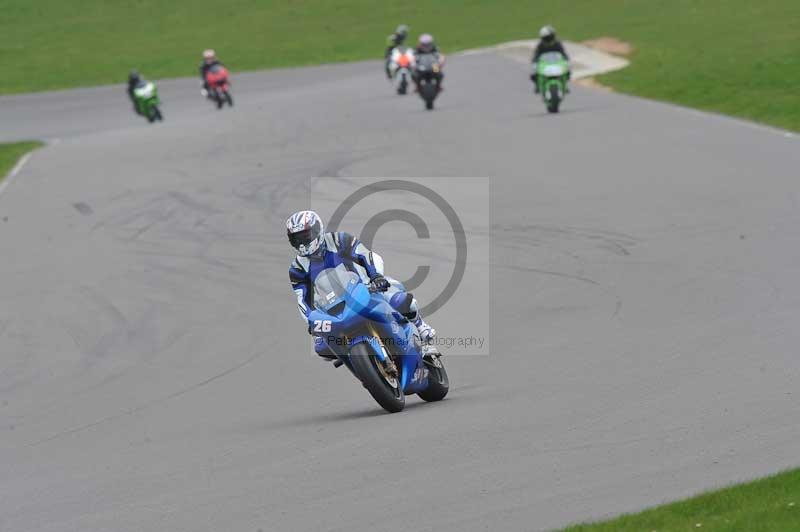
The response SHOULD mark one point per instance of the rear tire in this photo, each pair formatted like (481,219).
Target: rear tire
(438,384)
(403,87)
(429,104)
(157,113)
(366,365)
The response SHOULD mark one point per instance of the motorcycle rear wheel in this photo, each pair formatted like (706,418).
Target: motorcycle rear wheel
(375,379)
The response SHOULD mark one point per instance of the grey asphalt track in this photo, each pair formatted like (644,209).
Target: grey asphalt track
(155,376)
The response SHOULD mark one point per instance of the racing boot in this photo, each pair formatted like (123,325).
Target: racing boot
(430,353)
(426,332)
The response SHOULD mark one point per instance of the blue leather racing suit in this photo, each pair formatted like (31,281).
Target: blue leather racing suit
(344,249)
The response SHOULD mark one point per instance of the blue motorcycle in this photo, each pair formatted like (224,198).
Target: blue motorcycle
(379,346)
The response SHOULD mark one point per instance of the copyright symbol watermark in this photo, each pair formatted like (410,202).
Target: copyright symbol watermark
(370,229)
(434,235)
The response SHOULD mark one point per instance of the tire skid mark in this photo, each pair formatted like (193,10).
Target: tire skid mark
(136,409)
(548,272)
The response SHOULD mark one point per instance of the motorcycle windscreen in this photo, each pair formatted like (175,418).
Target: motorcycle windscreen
(427,62)
(551,57)
(553,71)
(332,286)
(145,91)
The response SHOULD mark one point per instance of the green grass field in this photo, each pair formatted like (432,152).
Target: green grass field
(10,154)
(767,505)
(733,56)
(740,57)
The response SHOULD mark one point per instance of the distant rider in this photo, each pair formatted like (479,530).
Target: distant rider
(317,251)
(209,60)
(393,41)
(547,43)
(134,80)
(427,45)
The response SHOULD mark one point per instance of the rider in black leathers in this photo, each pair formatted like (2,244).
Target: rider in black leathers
(393,41)
(547,43)
(134,80)
(427,45)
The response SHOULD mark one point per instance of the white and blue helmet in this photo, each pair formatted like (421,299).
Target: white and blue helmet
(304,229)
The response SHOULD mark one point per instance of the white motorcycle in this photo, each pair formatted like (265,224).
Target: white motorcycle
(401,63)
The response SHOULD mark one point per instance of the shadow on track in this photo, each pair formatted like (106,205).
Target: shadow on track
(319,419)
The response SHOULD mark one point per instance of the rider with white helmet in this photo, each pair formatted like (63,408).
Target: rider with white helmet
(427,45)
(317,251)
(209,60)
(547,43)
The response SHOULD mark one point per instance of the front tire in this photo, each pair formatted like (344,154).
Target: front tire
(429,90)
(438,383)
(368,368)
(229,98)
(555,99)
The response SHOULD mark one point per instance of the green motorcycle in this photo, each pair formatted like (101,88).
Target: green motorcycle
(146,97)
(552,73)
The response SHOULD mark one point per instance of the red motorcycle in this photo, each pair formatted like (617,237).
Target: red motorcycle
(219,86)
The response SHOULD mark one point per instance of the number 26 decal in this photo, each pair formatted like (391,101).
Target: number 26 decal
(322,325)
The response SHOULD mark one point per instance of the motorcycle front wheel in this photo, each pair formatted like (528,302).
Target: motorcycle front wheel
(554,100)
(438,383)
(378,378)
(429,90)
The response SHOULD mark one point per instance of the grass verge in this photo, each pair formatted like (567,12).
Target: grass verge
(11,153)
(771,504)
(733,56)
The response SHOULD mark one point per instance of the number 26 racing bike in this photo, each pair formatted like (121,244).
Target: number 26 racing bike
(376,343)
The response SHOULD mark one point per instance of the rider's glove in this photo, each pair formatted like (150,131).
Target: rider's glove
(379,283)
(204,92)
